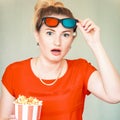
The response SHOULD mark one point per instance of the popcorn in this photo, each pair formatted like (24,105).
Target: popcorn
(30,100)
(27,108)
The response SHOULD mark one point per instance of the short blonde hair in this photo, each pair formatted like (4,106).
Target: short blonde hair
(48,7)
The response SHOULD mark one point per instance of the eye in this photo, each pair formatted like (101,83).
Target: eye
(66,34)
(49,33)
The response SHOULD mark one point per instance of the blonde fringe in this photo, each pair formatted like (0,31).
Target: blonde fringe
(44,4)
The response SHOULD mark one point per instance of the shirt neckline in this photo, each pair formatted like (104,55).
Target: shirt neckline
(59,79)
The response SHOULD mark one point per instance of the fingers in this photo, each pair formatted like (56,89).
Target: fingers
(12,117)
(87,25)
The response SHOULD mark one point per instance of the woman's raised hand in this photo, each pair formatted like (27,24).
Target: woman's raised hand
(90,31)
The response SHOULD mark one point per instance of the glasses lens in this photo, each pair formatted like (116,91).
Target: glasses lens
(69,23)
(51,22)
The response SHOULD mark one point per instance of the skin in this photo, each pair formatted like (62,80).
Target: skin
(101,84)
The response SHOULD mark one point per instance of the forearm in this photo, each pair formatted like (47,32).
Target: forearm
(6,104)
(110,76)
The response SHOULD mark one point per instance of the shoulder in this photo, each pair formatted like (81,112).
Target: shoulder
(80,64)
(18,64)
(77,61)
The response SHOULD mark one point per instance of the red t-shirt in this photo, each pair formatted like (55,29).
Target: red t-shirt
(62,101)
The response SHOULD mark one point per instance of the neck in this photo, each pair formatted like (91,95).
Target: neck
(45,63)
(48,69)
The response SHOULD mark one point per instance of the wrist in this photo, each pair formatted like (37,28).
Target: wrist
(97,48)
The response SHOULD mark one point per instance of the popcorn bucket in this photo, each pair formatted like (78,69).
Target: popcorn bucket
(27,112)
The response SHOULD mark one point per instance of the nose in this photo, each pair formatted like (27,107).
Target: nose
(57,41)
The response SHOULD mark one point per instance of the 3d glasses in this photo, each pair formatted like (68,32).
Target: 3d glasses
(66,22)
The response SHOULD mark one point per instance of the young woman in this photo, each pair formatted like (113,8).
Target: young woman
(62,84)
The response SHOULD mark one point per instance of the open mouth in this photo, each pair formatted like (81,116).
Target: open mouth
(56,52)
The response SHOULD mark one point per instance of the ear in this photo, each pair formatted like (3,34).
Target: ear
(74,34)
(36,35)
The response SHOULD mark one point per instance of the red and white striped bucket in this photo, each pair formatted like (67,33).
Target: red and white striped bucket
(27,112)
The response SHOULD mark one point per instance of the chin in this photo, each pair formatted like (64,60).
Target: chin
(56,59)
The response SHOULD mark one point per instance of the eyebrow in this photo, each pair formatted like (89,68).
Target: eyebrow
(50,29)
(68,30)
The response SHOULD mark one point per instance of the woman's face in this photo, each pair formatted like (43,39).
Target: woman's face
(54,42)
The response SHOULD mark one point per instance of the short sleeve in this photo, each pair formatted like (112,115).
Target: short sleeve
(89,70)
(7,79)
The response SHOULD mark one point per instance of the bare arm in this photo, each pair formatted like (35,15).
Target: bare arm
(105,83)
(6,104)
